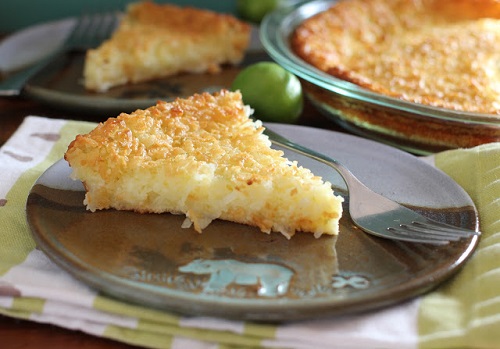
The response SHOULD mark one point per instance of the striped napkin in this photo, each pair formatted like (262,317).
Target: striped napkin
(462,313)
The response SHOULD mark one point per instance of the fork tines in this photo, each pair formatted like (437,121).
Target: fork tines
(433,231)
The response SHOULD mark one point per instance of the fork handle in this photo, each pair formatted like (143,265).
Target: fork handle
(346,174)
(14,84)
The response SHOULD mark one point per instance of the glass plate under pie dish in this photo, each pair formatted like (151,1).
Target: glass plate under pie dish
(414,127)
(60,83)
(235,271)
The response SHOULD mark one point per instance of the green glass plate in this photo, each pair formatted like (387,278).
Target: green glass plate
(235,271)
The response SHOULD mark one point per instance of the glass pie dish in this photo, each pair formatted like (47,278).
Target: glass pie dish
(414,127)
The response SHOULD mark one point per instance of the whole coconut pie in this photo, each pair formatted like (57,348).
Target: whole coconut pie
(441,53)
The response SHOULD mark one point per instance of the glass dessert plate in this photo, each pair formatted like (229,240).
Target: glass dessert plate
(235,271)
(60,85)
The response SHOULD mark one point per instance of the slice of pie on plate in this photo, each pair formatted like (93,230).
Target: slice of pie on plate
(158,40)
(203,157)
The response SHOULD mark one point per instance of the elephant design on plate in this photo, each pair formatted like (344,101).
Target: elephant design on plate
(272,280)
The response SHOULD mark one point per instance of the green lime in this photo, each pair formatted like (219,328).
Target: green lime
(255,10)
(273,92)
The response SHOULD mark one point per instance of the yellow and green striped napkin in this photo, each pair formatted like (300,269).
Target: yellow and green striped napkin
(462,313)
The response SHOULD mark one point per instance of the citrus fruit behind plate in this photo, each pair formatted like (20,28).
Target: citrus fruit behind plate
(255,10)
(273,92)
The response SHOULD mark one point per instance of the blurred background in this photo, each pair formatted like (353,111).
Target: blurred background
(18,14)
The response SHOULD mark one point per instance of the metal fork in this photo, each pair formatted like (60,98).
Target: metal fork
(378,215)
(88,32)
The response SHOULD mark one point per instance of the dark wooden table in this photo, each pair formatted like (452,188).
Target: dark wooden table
(16,333)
